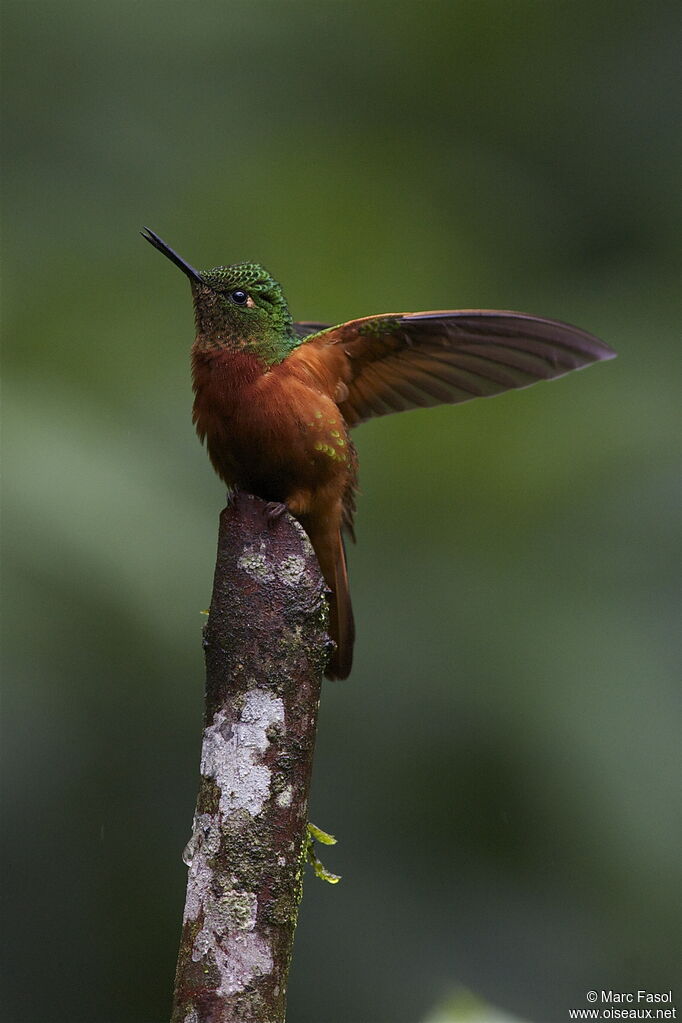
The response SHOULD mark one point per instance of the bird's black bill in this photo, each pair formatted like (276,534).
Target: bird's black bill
(160,244)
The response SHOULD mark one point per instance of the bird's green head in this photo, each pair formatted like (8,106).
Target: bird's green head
(239,307)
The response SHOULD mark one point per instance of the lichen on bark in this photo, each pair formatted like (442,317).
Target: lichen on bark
(266,647)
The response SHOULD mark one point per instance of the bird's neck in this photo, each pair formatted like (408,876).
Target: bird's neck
(268,349)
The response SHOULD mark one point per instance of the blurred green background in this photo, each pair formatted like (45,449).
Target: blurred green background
(502,768)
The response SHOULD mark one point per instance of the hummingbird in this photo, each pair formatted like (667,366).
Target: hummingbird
(275,400)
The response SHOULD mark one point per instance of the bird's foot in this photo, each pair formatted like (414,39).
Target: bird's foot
(274,510)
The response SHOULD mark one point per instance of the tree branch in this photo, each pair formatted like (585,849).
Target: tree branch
(266,647)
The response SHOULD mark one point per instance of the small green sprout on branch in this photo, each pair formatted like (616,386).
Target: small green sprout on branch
(316,834)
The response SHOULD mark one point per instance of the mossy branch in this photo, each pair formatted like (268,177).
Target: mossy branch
(266,646)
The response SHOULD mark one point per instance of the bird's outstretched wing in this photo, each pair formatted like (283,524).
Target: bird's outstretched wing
(400,361)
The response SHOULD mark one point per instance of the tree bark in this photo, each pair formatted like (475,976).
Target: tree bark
(266,646)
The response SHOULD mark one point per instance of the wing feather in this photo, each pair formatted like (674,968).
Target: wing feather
(399,361)
(306,328)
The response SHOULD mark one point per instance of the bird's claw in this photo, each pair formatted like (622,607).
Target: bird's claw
(274,510)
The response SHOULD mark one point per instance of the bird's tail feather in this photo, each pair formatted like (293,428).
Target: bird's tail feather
(331,554)
(341,624)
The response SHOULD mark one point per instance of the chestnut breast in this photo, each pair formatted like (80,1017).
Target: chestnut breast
(267,430)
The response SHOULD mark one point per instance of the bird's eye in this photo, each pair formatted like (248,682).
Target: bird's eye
(239,296)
